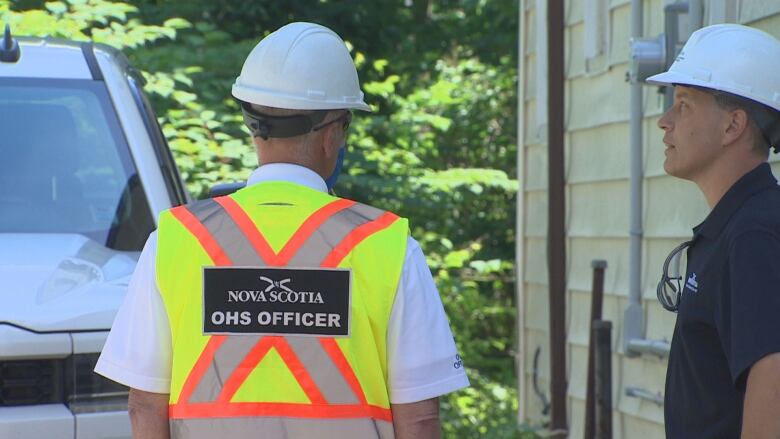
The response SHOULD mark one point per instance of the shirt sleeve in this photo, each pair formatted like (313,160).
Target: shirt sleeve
(423,361)
(137,352)
(752,328)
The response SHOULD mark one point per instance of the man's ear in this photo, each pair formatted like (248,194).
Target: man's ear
(331,142)
(736,123)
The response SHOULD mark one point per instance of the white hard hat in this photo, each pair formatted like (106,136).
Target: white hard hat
(301,66)
(732,58)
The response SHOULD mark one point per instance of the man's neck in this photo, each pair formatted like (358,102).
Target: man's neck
(719,179)
(280,154)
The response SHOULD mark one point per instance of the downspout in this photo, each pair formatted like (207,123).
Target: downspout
(556,230)
(520,352)
(633,317)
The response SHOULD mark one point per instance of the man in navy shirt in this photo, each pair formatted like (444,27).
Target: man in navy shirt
(723,379)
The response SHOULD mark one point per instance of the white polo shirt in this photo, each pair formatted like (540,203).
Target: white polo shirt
(422,359)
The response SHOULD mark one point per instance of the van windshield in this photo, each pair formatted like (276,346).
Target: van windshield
(65,166)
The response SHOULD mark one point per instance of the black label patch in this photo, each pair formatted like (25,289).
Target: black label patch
(253,300)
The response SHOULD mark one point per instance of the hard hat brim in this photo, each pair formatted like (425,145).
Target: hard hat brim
(675,78)
(269,98)
(672,78)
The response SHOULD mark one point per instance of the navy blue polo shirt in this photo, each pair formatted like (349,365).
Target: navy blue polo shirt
(729,316)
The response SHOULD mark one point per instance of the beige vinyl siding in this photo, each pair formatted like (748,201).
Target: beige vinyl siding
(597,154)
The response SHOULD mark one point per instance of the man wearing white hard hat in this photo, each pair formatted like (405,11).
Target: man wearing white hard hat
(723,377)
(281,311)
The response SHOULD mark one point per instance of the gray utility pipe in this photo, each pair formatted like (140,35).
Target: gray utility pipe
(634,343)
(633,317)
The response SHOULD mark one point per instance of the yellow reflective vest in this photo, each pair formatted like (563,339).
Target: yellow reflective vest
(269,384)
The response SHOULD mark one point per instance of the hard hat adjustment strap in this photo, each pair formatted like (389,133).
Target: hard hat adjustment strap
(268,126)
(768,122)
(345,118)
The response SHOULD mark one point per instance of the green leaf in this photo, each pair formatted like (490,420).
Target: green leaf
(57,8)
(456,259)
(380,64)
(483,267)
(177,23)
(183,97)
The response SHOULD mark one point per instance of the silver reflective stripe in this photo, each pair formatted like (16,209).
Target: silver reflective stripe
(309,350)
(281,428)
(323,371)
(331,232)
(226,232)
(230,354)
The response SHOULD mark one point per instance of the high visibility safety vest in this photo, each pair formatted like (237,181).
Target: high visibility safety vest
(280,386)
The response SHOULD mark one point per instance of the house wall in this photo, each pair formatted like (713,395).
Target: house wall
(597,205)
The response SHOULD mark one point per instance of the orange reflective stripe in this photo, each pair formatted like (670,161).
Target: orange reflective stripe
(299,371)
(355,237)
(259,242)
(209,244)
(308,227)
(246,225)
(205,359)
(256,355)
(236,409)
(244,368)
(335,354)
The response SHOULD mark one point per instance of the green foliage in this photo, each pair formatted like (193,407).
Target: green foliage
(98,20)
(439,148)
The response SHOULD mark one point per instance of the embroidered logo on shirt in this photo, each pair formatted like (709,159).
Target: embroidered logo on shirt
(458,362)
(691,284)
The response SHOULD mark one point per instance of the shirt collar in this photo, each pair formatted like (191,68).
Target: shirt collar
(287,172)
(755,181)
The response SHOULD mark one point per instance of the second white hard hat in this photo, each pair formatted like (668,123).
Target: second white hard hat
(301,66)
(729,57)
